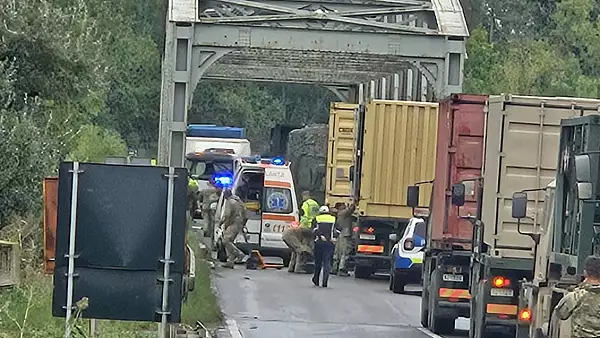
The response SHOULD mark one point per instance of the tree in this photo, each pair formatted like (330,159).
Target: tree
(94,144)
(27,153)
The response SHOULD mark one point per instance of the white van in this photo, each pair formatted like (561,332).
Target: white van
(267,188)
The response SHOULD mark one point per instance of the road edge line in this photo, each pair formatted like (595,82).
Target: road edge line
(429,333)
(233,328)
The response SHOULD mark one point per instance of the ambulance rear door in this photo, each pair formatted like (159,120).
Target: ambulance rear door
(280,207)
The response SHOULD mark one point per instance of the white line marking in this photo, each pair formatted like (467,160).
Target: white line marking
(234,330)
(429,333)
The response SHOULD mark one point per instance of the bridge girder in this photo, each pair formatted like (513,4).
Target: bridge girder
(336,43)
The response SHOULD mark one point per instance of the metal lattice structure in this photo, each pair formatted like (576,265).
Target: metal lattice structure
(398,49)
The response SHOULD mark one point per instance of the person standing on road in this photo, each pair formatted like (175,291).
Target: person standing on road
(324,228)
(308,211)
(233,221)
(205,198)
(300,239)
(343,245)
(582,305)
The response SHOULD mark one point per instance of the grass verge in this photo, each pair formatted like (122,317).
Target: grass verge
(202,304)
(26,311)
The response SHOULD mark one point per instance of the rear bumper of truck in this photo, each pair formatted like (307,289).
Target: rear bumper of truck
(378,263)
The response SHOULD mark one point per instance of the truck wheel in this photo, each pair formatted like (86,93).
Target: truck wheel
(438,325)
(221,254)
(398,284)
(286,260)
(362,272)
(424,310)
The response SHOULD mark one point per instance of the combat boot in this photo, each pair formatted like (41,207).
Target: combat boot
(343,273)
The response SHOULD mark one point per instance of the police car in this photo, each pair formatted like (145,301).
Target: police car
(407,255)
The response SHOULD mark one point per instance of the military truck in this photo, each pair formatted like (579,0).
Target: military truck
(475,255)
(566,239)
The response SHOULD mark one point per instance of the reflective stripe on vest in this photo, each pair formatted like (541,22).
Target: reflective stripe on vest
(327,219)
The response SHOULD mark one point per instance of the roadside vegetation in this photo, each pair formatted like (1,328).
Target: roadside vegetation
(80,80)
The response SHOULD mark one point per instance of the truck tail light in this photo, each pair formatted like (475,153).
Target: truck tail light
(500,282)
(370,230)
(355,229)
(525,315)
(409,244)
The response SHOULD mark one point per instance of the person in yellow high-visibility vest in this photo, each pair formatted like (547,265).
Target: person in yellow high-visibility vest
(300,239)
(309,210)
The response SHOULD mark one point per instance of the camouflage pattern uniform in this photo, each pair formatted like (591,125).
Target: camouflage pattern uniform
(234,219)
(583,307)
(300,240)
(206,198)
(343,246)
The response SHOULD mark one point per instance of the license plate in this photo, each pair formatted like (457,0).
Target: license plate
(452,278)
(367,237)
(501,292)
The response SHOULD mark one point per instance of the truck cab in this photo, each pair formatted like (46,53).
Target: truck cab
(571,221)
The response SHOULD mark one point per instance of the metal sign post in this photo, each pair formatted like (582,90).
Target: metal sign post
(71,255)
(164,312)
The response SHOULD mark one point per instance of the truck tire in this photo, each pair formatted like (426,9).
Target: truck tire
(438,325)
(425,307)
(398,284)
(286,260)
(362,272)
(221,254)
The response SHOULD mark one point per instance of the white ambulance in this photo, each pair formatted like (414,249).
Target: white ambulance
(267,188)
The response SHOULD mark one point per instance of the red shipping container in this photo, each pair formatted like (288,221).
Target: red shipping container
(460,152)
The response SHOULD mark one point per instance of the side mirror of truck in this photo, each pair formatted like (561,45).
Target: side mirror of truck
(412,196)
(519,205)
(584,190)
(393,238)
(583,168)
(458,194)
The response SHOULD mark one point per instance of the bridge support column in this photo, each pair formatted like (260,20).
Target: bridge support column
(183,66)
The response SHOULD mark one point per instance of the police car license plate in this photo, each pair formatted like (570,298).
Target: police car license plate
(501,292)
(452,278)
(367,237)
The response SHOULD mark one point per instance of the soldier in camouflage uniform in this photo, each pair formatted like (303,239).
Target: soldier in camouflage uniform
(233,221)
(206,197)
(343,246)
(582,305)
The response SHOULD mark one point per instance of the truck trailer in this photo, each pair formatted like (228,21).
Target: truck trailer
(375,151)
(488,147)
(566,239)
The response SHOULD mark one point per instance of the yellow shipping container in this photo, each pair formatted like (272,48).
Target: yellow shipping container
(398,150)
(340,152)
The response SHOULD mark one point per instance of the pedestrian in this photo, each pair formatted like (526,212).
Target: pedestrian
(343,245)
(233,222)
(325,233)
(582,305)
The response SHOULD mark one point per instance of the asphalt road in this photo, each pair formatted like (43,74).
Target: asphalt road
(272,303)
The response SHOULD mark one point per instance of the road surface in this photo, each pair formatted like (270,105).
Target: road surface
(272,303)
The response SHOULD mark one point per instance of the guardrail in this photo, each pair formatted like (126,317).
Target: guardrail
(10,264)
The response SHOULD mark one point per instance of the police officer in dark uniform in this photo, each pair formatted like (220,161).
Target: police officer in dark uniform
(326,234)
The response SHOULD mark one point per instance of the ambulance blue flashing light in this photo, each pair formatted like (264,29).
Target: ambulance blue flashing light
(222,180)
(278,161)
